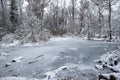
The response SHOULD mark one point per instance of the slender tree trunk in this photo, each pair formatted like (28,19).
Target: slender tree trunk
(88,33)
(99,22)
(94,32)
(110,29)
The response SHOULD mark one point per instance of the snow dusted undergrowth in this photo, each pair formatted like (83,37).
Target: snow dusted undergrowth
(8,42)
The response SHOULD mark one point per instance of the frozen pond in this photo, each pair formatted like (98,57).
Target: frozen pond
(35,61)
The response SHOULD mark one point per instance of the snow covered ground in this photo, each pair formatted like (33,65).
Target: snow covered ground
(59,58)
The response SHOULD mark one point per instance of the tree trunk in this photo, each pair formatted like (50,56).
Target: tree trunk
(110,29)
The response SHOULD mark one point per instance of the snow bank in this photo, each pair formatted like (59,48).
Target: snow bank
(17,78)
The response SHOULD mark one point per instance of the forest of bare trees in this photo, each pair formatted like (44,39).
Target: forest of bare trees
(35,20)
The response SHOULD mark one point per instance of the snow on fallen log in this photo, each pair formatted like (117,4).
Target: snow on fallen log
(110,61)
(18,59)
